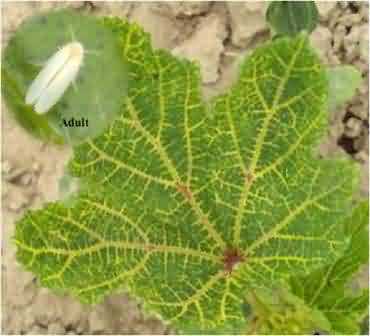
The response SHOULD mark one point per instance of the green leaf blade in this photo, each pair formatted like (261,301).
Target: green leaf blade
(291,17)
(169,211)
(277,312)
(268,150)
(327,289)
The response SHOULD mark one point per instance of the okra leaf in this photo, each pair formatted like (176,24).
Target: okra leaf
(292,17)
(188,205)
(328,288)
(279,312)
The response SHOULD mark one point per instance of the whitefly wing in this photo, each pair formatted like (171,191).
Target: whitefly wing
(56,88)
(52,66)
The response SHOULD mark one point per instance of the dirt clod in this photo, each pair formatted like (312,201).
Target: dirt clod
(205,46)
(353,128)
(247,19)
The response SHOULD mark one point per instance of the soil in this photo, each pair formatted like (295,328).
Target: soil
(216,35)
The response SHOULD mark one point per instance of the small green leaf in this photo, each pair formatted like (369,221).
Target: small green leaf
(326,288)
(365,326)
(292,17)
(279,312)
(344,80)
(345,313)
(187,210)
(98,91)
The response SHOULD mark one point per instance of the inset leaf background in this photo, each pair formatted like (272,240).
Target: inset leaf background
(187,211)
(88,97)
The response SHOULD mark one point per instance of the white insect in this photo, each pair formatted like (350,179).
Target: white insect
(55,77)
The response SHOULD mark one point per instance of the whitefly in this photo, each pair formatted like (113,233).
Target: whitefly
(55,77)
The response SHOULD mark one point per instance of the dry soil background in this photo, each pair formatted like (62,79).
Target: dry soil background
(214,34)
